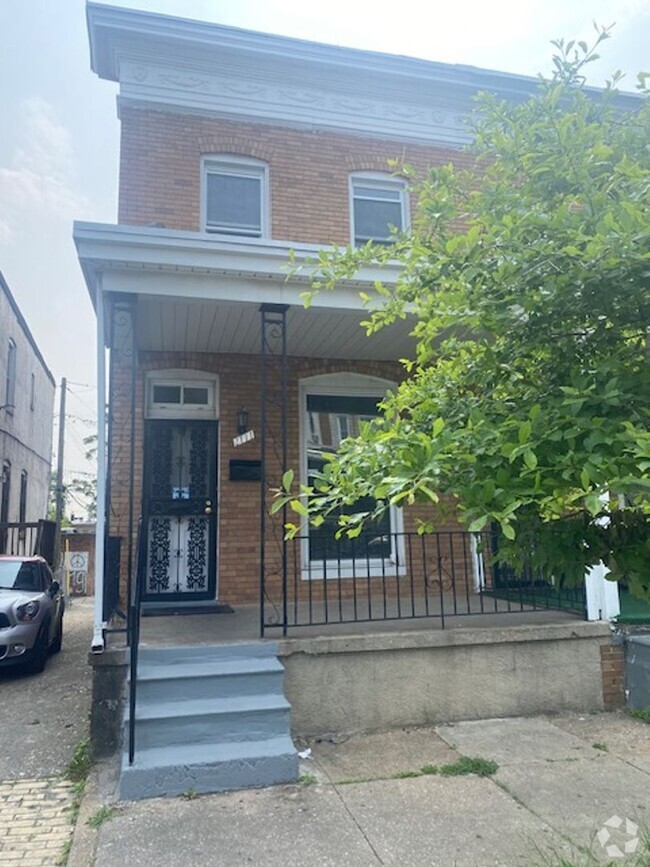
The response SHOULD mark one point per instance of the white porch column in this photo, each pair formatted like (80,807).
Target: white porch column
(97,645)
(602,595)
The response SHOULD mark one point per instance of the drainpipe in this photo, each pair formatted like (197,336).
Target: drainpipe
(99,625)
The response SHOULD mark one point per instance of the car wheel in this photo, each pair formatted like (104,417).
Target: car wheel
(58,639)
(39,653)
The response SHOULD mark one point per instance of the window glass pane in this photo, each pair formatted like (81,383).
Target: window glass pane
(22,505)
(10,391)
(197,396)
(234,203)
(373,219)
(383,193)
(166,394)
(337,416)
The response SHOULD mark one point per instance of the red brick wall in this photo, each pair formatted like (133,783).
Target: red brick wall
(239,501)
(612,664)
(160,178)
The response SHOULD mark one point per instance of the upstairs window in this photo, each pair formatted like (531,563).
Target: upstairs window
(22,504)
(378,206)
(235,200)
(10,389)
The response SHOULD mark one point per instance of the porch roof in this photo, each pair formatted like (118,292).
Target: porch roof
(200,293)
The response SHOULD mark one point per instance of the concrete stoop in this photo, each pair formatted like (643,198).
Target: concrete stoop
(209,718)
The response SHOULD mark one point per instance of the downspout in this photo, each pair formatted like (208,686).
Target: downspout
(99,625)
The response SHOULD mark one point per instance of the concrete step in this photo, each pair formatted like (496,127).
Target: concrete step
(201,653)
(214,678)
(210,721)
(209,718)
(167,771)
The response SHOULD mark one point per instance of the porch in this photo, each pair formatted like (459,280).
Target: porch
(242,624)
(393,628)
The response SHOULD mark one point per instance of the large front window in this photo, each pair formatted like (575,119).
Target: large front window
(329,419)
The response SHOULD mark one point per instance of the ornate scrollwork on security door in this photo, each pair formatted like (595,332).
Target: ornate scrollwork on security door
(159,555)
(197,553)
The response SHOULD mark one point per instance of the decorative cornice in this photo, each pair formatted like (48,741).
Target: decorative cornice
(423,117)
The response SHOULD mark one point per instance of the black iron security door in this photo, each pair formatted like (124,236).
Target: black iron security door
(180,501)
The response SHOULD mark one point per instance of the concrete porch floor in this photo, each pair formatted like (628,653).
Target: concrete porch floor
(244,625)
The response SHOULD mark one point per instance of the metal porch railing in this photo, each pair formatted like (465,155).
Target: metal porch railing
(403,576)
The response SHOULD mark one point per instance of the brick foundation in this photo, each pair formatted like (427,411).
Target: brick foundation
(612,665)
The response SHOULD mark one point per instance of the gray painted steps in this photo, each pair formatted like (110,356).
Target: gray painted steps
(218,769)
(190,680)
(243,718)
(203,652)
(209,718)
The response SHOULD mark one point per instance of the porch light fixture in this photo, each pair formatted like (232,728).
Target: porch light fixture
(242,421)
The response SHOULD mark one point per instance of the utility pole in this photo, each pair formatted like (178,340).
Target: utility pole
(59,478)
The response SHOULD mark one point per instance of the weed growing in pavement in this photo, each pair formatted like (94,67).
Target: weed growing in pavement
(102,814)
(307,779)
(81,762)
(470,765)
(65,854)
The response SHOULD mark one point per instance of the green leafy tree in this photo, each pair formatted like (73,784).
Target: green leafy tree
(527,278)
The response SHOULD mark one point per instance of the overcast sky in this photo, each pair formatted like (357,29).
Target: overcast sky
(59,141)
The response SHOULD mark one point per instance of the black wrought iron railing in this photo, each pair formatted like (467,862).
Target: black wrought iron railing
(404,576)
(135,607)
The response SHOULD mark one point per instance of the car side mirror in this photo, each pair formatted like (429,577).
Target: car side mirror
(54,588)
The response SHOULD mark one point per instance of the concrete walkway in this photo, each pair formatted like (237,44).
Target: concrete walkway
(364,801)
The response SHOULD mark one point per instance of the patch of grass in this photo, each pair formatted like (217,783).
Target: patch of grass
(81,762)
(643,714)
(590,857)
(62,860)
(190,794)
(307,779)
(78,790)
(102,814)
(603,747)
(470,765)
(429,769)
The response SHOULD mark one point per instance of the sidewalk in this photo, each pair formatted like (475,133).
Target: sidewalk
(364,801)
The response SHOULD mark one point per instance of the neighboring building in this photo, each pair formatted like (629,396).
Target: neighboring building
(26,411)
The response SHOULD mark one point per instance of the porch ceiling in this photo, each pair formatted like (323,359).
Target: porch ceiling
(192,325)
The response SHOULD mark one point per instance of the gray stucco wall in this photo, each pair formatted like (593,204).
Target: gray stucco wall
(364,683)
(25,431)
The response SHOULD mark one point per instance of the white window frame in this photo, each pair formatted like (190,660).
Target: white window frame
(379,181)
(246,167)
(182,379)
(347,384)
